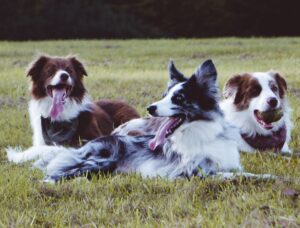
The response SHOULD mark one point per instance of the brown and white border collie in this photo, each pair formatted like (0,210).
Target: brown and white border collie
(61,112)
(248,95)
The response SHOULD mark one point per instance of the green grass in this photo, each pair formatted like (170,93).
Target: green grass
(135,71)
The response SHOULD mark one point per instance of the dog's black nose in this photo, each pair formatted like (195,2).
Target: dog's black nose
(152,109)
(272,102)
(64,77)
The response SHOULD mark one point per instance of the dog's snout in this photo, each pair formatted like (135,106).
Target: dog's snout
(152,109)
(272,102)
(64,77)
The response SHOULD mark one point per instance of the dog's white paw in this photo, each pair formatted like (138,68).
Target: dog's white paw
(14,154)
(286,150)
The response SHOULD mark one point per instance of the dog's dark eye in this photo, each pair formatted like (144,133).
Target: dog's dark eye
(69,70)
(255,91)
(50,71)
(178,99)
(274,88)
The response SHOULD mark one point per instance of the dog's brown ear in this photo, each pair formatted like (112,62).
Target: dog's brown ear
(281,84)
(231,86)
(35,68)
(78,66)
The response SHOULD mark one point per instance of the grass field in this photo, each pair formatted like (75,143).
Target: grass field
(135,71)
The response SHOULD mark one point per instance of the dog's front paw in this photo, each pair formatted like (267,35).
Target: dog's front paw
(286,150)
(49,180)
(14,154)
(207,167)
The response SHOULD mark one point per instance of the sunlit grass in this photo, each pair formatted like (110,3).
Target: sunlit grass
(135,71)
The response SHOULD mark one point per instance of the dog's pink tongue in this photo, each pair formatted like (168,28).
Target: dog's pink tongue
(57,102)
(161,133)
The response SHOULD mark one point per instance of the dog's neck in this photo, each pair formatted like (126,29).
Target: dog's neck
(72,108)
(188,139)
(274,141)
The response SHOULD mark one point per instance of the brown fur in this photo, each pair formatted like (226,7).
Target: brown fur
(246,87)
(119,111)
(44,68)
(281,84)
(104,116)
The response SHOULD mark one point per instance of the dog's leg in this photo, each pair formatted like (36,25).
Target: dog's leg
(46,157)
(235,175)
(206,167)
(17,156)
(35,121)
(286,150)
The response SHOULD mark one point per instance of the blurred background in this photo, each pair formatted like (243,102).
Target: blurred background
(98,19)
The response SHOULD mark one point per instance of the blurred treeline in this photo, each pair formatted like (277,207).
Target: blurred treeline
(64,19)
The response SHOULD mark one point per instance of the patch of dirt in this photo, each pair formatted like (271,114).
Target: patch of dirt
(265,216)
(110,46)
(246,56)
(9,102)
(47,191)
(198,55)
(19,63)
(290,193)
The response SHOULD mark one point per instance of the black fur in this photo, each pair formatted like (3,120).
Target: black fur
(199,94)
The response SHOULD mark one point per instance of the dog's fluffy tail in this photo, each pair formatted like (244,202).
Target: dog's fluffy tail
(76,162)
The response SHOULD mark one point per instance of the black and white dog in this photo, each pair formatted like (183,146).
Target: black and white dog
(194,139)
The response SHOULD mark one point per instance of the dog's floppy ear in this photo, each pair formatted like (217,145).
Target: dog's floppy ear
(281,84)
(206,73)
(174,75)
(231,86)
(35,68)
(79,68)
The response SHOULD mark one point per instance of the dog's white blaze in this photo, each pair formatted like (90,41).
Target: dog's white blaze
(57,78)
(260,102)
(164,106)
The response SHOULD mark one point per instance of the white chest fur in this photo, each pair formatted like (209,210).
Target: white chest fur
(207,139)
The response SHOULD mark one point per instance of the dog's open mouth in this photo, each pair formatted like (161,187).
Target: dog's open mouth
(267,118)
(59,94)
(166,129)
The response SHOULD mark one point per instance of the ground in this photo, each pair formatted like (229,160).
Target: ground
(135,71)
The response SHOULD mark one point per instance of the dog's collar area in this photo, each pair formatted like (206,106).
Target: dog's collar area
(59,132)
(274,141)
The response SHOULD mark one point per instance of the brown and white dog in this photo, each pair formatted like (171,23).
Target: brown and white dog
(61,112)
(248,95)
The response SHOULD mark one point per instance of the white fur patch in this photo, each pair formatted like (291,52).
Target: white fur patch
(203,139)
(132,125)
(57,78)
(16,155)
(164,106)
